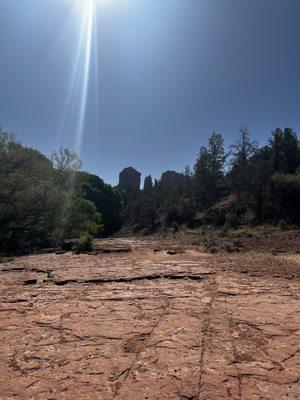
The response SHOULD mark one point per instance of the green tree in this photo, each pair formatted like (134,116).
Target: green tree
(258,190)
(107,200)
(201,179)
(286,197)
(29,200)
(216,168)
(209,172)
(43,201)
(82,219)
(285,150)
(241,152)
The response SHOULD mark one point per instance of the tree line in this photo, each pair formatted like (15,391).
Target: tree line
(246,184)
(44,200)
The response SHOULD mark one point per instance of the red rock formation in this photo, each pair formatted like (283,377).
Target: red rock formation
(171,180)
(130,180)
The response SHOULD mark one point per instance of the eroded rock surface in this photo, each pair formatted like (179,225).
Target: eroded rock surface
(150,325)
(130,180)
(171,179)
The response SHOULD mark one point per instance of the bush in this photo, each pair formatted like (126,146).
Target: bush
(286,194)
(283,225)
(175,226)
(172,216)
(84,245)
(233,220)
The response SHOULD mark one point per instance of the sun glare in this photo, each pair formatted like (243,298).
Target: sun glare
(85,51)
(93,3)
(85,61)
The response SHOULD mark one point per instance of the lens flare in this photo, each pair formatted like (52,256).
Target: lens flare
(88,23)
(85,51)
(84,63)
(101,3)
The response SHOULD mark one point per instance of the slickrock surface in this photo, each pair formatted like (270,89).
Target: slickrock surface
(150,325)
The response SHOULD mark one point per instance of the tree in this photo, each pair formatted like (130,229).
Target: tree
(259,198)
(217,159)
(217,154)
(40,205)
(201,179)
(66,160)
(276,144)
(241,152)
(82,219)
(291,151)
(286,197)
(186,189)
(30,202)
(208,172)
(107,200)
(285,150)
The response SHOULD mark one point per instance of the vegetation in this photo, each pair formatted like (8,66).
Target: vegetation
(83,245)
(46,200)
(248,185)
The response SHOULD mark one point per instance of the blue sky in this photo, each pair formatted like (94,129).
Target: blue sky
(163,74)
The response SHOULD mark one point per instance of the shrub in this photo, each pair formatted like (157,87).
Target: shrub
(283,225)
(84,245)
(172,216)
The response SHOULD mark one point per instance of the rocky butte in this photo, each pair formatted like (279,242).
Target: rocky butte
(130,180)
(171,179)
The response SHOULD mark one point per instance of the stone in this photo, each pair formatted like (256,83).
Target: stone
(148,184)
(142,325)
(171,180)
(130,180)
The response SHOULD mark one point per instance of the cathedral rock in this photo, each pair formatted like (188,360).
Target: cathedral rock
(130,180)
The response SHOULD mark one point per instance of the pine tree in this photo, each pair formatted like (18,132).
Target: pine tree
(241,152)
(217,159)
(201,179)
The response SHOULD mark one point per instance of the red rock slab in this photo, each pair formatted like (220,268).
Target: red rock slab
(187,326)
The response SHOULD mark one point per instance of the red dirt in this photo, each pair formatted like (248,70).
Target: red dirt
(150,325)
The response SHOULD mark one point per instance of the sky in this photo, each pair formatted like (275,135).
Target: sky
(144,83)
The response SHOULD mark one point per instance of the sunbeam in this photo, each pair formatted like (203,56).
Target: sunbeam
(85,3)
(74,113)
(87,52)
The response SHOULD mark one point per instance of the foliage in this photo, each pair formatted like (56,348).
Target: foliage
(108,201)
(260,185)
(43,201)
(286,194)
(29,199)
(209,172)
(84,245)
(66,160)
(82,219)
